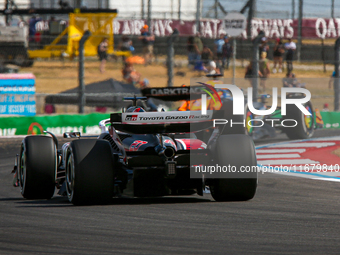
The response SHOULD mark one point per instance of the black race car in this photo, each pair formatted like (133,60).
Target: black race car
(139,154)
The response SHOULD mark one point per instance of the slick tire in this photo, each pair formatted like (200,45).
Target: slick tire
(229,129)
(37,167)
(235,150)
(304,128)
(90,172)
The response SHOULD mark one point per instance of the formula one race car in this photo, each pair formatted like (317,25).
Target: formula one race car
(139,154)
(294,124)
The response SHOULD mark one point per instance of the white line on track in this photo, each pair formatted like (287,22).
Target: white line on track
(280,150)
(287,162)
(290,155)
(302,144)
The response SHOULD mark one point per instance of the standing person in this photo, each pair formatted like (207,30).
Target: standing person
(206,55)
(191,50)
(148,41)
(264,70)
(32,29)
(331,80)
(290,46)
(249,73)
(227,52)
(279,50)
(198,46)
(263,47)
(219,49)
(125,44)
(102,53)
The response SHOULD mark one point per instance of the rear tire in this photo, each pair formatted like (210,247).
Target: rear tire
(90,172)
(305,124)
(237,128)
(37,167)
(235,150)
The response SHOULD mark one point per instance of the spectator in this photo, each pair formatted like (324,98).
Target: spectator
(325,108)
(132,76)
(125,44)
(206,55)
(227,52)
(198,45)
(279,50)
(195,48)
(102,53)
(219,49)
(249,73)
(290,80)
(264,70)
(191,51)
(263,47)
(211,68)
(331,80)
(148,41)
(32,29)
(290,46)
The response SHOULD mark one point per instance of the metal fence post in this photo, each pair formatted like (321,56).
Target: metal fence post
(255,65)
(82,98)
(179,9)
(149,15)
(336,78)
(198,15)
(170,57)
(234,59)
(299,31)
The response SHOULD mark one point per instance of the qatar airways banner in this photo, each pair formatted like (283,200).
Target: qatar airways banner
(212,28)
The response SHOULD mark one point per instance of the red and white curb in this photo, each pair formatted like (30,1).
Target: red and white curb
(311,158)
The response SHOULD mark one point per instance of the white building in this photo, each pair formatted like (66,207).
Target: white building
(20,3)
(160,9)
(128,9)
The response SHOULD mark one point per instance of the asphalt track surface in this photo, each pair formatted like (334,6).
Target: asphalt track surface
(288,216)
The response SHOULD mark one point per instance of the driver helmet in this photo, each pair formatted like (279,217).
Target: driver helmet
(135,109)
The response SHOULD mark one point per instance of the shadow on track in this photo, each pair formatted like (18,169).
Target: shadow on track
(63,202)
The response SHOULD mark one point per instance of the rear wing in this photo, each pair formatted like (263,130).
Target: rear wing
(164,122)
(174,93)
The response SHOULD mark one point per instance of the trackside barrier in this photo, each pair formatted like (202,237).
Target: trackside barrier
(331,119)
(58,124)
(87,123)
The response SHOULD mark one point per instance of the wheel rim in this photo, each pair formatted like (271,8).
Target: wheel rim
(2,58)
(308,118)
(70,177)
(249,118)
(22,170)
(20,59)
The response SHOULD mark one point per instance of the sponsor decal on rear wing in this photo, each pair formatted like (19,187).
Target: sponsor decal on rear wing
(164,122)
(134,118)
(174,93)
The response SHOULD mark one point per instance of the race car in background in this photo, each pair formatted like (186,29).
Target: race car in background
(260,126)
(138,154)
(305,124)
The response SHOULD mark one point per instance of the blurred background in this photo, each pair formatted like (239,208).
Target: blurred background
(42,37)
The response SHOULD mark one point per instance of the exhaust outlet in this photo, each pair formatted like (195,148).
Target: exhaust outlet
(169,152)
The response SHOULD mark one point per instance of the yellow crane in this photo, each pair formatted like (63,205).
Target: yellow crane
(100,25)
